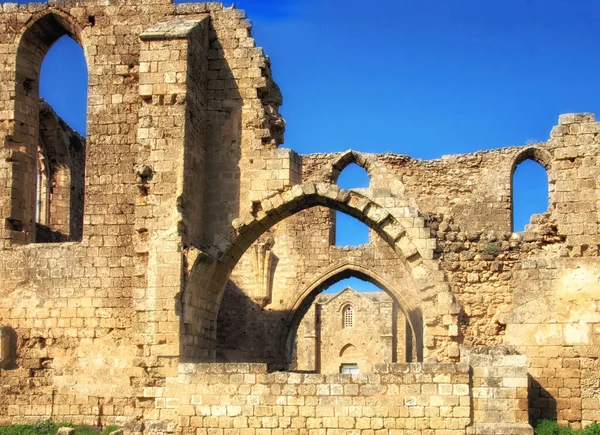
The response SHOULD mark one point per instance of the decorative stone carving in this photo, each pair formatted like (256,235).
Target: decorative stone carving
(263,270)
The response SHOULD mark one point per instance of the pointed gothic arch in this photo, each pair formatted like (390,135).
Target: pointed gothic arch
(209,275)
(347,158)
(404,298)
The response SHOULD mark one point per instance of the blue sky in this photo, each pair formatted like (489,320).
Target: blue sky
(423,78)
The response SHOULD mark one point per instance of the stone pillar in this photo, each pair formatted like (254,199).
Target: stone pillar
(388,345)
(263,271)
(500,391)
(311,351)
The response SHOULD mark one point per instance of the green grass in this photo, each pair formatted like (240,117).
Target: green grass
(50,428)
(547,427)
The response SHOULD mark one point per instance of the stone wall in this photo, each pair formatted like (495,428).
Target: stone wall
(95,322)
(202,240)
(245,399)
(499,390)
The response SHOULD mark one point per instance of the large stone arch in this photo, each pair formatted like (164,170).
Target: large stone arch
(211,269)
(406,300)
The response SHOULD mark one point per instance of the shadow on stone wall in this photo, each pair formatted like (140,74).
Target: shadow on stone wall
(250,332)
(542,405)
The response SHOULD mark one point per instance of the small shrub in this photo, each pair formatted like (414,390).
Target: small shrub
(547,427)
(46,428)
(491,249)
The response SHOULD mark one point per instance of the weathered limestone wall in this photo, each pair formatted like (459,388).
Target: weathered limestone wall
(94,323)
(304,261)
(499,390)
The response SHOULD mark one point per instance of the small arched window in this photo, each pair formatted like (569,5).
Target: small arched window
(529,187)
(348,317)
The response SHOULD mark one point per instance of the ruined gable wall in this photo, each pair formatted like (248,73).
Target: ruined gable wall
(377,336)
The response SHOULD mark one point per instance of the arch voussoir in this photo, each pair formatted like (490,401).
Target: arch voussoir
(376,214)
(393,230)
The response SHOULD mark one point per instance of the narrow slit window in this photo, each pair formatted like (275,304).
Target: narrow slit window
(348,317)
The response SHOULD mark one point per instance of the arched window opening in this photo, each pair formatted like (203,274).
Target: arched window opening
(348,317)
(351,308)
(348,354)
(529,193)
(350,231)
(62,123)
(48,161)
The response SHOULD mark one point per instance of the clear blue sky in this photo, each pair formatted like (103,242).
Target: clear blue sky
(423,78)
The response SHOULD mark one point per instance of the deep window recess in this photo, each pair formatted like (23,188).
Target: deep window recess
(61,146)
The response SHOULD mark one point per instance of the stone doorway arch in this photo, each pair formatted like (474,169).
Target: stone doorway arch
(404,299)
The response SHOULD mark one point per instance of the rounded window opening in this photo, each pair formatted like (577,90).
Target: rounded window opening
(529,193)
(349,231)
(60,178)
(373,329)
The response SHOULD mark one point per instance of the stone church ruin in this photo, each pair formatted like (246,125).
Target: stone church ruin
(154,274)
